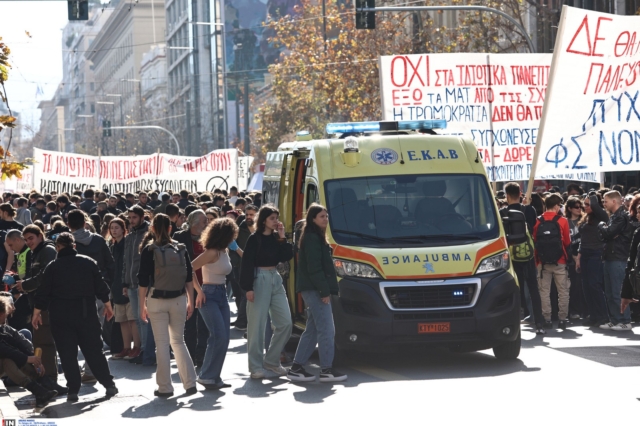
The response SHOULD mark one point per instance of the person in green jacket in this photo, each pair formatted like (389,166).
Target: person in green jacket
(316,281)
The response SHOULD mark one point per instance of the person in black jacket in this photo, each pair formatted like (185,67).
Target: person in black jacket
(17,360)
(42,253)
(71,284)
(95,247)
(628,294)
(88,204)
(616,253)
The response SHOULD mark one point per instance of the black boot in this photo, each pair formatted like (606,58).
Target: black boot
(43,396)
(48,383)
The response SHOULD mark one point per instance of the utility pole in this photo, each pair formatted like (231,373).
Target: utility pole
(247,135)
(188,127)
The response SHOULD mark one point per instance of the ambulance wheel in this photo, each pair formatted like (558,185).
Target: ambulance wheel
(509,350)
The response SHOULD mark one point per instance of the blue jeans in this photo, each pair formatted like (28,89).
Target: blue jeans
(216,315)
(26,334)
(149,354)
(593,284)
(135,307)
(319,331)
(613,277)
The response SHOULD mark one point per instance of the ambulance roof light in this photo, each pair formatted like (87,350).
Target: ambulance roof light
(422,125)
(382,126)
(351,144)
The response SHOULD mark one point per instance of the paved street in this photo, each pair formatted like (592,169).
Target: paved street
(579,375)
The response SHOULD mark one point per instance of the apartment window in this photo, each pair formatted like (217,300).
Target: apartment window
(93,108)
(92,86)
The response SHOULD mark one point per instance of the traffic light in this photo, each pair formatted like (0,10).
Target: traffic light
(365,20)
(78,10)
(106,128)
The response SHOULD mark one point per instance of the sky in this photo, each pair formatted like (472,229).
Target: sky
(37,60)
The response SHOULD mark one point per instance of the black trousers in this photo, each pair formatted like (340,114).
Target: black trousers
(527,275)
(196,335)
(577,301)
(75,323)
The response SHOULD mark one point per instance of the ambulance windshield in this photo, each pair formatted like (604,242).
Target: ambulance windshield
(409,210)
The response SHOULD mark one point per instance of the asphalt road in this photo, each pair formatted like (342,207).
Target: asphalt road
(580,376)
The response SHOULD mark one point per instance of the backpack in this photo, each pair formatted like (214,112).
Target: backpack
(523,252)
(549,240)
(170,267)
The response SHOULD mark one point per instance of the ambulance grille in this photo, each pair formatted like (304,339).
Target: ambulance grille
(431,297)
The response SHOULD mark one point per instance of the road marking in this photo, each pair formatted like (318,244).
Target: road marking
(379,373)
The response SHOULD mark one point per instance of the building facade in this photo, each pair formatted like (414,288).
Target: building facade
(116,56)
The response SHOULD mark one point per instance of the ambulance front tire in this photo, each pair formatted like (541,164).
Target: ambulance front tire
(509,350)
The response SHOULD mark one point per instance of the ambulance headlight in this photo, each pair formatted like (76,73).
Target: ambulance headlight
(346,268)
(494,263)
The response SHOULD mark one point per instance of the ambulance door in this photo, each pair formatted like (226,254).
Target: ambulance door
(292,192)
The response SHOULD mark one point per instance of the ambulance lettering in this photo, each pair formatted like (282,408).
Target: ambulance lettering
(428,154)
(425,258)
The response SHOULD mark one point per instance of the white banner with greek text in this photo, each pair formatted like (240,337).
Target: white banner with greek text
(68,172)
(591,119)
(495,99)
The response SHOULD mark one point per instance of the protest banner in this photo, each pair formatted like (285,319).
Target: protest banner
(496,99)
(68,172)
(591,117)
(19,185)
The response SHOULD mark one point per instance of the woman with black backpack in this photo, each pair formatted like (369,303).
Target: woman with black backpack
(165,292)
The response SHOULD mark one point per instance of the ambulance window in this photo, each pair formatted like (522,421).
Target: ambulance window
(312,194)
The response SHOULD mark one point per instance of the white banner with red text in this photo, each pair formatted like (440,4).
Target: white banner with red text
(495,99)
(68,172)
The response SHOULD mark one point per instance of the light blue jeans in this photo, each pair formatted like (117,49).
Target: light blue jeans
(269,299)
(319,331)
(613,278)
(216,315)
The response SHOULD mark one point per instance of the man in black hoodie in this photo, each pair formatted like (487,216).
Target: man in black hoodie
(71,285)
(17,360)
(95,247)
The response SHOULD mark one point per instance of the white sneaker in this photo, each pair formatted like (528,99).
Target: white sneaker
(278,369)
(607,326)
(260,374)
(621,327)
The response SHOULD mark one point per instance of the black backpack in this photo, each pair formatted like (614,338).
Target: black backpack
(549,240)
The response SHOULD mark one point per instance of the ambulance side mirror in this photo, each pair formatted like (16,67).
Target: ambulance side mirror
(515,227)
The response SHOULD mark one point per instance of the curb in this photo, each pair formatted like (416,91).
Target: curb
(8,409)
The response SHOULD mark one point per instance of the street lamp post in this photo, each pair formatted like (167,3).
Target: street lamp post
(113,105)
(122,135)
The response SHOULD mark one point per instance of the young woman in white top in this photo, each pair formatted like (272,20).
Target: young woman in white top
(212,297)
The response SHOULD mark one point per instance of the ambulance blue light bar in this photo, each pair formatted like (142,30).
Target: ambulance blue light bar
(384,126)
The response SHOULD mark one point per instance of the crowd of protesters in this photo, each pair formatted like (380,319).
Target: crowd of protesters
(151,275)
(581,260)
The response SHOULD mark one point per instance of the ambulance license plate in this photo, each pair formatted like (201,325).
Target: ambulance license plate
(434,327)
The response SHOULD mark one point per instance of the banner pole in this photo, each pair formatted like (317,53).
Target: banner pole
(99,169)
(545,107)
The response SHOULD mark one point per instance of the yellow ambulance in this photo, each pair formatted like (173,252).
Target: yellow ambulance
(419,247)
